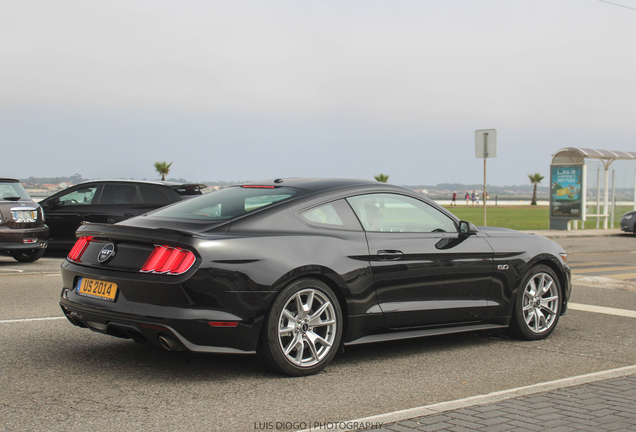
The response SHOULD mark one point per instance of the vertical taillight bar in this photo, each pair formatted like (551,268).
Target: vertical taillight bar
(168,260)
(78,249)
(156,259)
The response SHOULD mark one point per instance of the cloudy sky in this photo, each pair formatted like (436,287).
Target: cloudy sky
(247,90)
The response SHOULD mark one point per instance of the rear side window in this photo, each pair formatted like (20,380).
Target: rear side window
(119,194)
(229,203)
(333,215)
(151,194)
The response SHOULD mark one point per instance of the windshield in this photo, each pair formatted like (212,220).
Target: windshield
(13,192)
(229,203)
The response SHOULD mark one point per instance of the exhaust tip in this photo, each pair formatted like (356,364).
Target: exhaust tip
(71,319)
(169,343)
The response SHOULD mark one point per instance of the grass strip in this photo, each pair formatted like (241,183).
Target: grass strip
(522,217)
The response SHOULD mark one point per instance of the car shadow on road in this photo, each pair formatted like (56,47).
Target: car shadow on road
(98,354)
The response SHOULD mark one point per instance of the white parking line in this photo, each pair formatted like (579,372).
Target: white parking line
(602,309)
(30,319)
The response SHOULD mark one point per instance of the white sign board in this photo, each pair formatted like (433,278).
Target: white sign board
(486,143)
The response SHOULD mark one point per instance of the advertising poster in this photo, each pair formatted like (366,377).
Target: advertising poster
(566,198)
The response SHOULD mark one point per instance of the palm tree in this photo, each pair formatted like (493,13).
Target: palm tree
(163,169)
(382,178)
(535,179)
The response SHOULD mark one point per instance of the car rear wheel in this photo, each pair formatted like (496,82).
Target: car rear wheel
(303,328)
(29,255)
(537,306)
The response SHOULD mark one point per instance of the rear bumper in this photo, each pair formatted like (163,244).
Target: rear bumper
(145,310)
(13,239)
(145,329)
(40,244)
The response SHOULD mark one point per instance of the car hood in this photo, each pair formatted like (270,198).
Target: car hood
(504,232)
(497,230)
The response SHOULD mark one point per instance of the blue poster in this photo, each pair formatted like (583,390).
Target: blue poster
(565,190)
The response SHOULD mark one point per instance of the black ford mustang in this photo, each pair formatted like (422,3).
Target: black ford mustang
(295,269)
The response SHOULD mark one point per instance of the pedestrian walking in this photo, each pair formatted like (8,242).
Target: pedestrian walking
(467,198)
(454,200)
(472,197)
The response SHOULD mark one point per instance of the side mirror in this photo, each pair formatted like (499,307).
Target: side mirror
(467,228)
(53,203)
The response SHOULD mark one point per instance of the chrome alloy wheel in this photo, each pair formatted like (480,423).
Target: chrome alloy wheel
(307,327)
(540,303)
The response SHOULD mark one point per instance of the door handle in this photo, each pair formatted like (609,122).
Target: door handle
(389,255)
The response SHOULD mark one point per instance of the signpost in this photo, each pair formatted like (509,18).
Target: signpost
(486,147)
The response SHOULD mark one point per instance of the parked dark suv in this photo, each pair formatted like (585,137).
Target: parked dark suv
(23,233)
(107,201)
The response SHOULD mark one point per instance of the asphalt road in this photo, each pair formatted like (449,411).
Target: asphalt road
(57,377)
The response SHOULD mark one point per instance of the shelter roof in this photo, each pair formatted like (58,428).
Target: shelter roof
(574,155)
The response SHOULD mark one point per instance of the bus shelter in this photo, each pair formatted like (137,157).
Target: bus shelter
(568,184)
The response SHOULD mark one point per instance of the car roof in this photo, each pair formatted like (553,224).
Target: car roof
(9,180)
(156,182)
(313,184)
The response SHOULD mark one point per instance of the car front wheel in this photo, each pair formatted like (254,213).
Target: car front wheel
(537,306)
(29,255)
(302,329)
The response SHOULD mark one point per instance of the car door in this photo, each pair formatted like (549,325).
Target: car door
(117,202)
(66,210)
(425,272)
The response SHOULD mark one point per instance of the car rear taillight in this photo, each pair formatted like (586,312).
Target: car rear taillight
(168,260)
(80,246)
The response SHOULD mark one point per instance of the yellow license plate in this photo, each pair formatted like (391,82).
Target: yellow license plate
(97,289)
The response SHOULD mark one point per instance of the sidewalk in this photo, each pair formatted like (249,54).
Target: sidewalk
(607,405)
(600,401)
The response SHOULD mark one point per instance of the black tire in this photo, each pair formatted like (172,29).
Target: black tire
(302,329)
(27,255)
(537,305)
